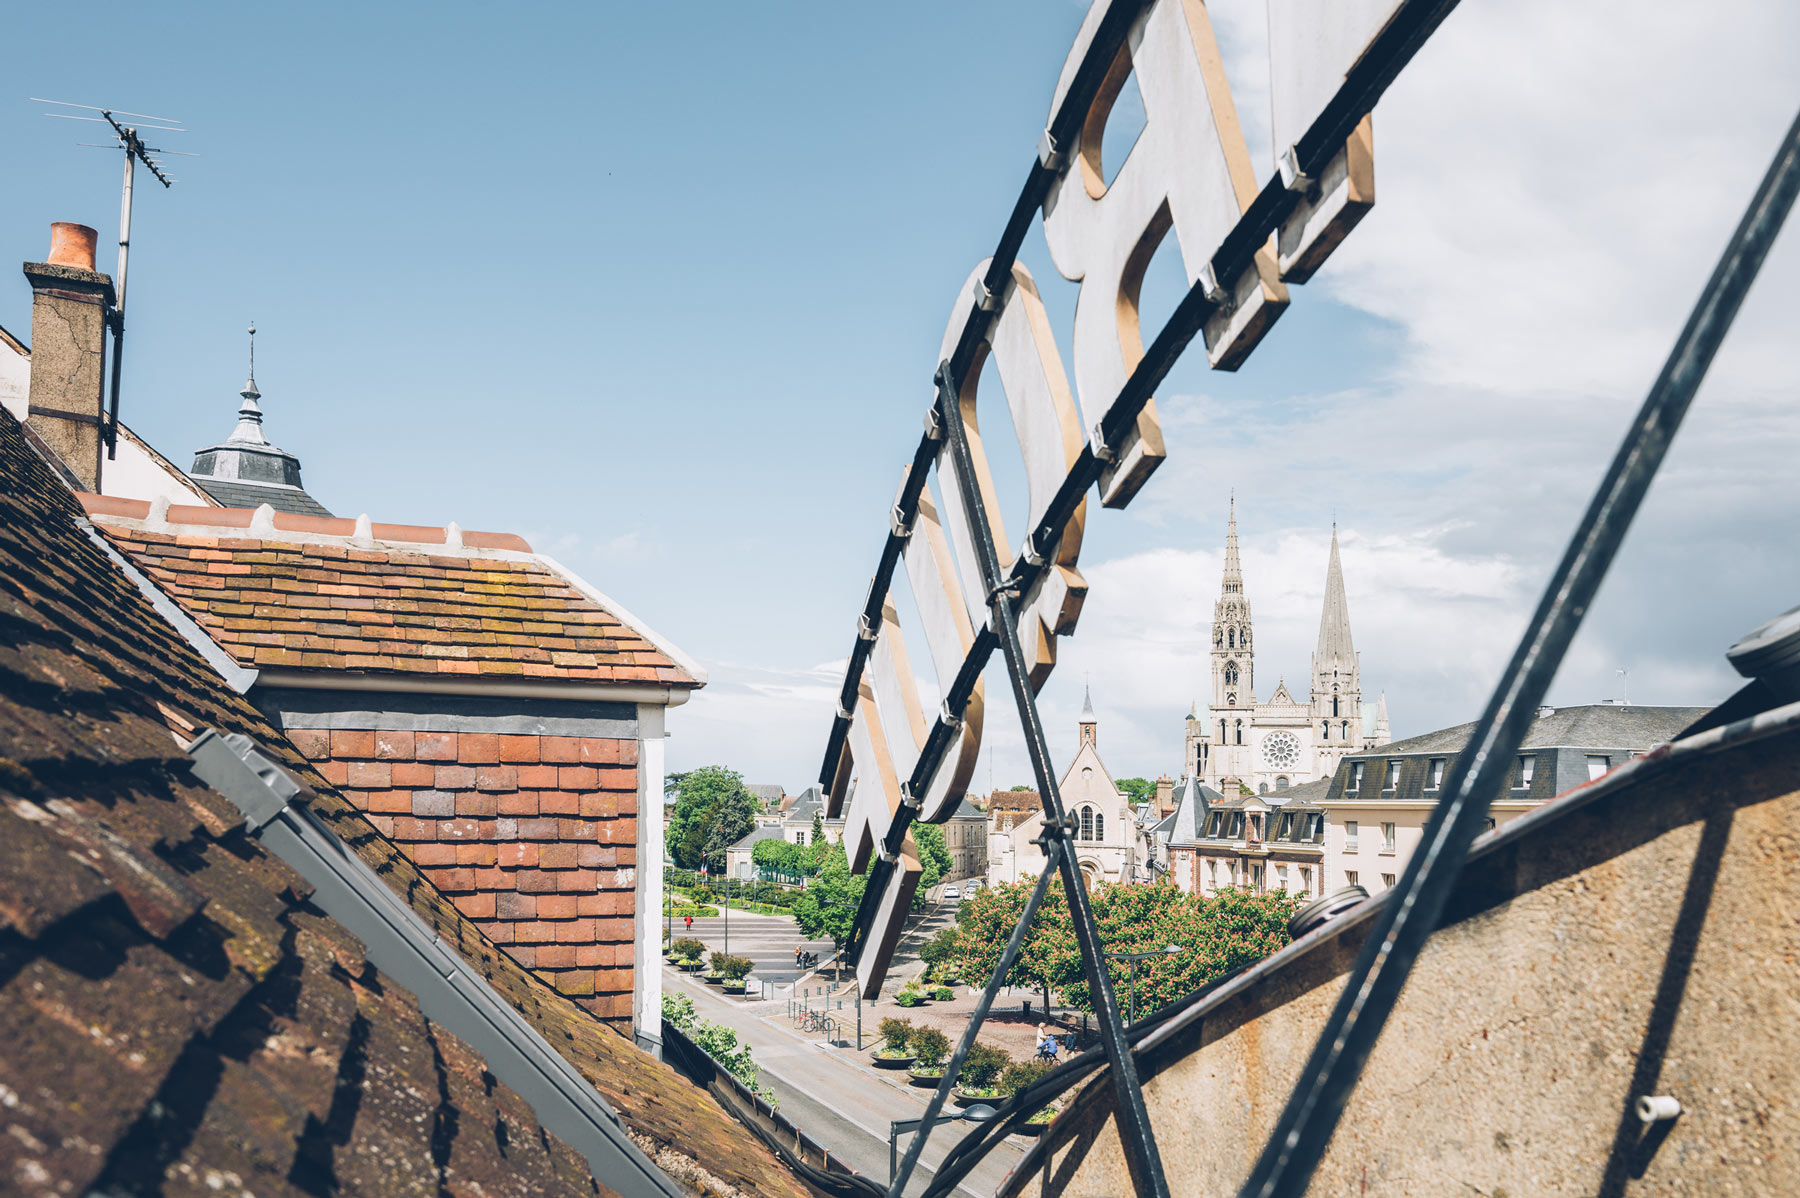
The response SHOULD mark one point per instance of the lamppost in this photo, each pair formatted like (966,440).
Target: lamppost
(979,1112)
(1134,958)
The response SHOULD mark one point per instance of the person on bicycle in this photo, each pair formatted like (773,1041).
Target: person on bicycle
(1046,1043)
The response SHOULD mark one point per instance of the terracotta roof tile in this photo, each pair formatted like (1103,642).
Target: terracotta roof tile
(173,1015)
(396,609)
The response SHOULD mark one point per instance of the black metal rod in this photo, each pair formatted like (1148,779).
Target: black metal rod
(118,363)
(1141,1156)
(1482,769)
(1008,956)
(1387,55)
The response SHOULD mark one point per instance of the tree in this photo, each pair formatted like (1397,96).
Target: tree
(1024,788)
(672,784)
(1218,935)
(1137,790)
(934,858)
(827,908)
(818,829)
(713,811)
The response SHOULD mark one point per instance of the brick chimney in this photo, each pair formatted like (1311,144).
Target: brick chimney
(1165,797)
(69,304)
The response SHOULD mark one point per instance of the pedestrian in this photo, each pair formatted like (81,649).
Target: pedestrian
(796,956)
(690,922)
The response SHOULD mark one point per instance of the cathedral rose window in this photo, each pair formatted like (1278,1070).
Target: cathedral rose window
(1281,750)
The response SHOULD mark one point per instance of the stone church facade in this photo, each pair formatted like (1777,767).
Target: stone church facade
(1268,746)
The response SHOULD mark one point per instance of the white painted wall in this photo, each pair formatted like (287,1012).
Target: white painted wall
(646,1021)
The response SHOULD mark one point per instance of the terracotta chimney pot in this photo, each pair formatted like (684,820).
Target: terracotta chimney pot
(72,245)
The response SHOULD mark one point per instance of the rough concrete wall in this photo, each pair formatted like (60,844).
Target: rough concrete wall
(533,837)
(1648,942)
(68,323)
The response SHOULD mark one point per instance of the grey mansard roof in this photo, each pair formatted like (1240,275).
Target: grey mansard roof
(1596,726)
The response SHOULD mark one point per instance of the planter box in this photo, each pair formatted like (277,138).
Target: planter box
(882,1062)
(691,967)
(714,979)
(734,987)
(928,1081)
(963,1098)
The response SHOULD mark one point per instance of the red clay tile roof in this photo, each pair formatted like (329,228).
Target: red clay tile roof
(173,1014)
(318,600)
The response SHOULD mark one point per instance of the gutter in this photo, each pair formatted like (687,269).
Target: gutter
(593,692)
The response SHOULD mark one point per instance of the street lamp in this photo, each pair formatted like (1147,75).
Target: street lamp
(1134,958)
(979,1112)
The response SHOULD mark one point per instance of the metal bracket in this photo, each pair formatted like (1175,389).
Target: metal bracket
(864,630)
(882,851)
(1097,443)
(1050,155)
(986,300)
(898,524)
(844,715)
(1215,295)
(934,426)
(952,722)
(908,798)
(1029,552)
(1292,177)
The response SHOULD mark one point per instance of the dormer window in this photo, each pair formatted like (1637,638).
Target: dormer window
(1527,770)
(1356,776)
(1393,775)
(1434,774)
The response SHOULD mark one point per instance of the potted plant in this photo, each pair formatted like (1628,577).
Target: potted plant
(715,973)
(736,970)
(1016,1077)
(929,1047)
(687,953)
(980,1073)
(910,995)
(895,1051)
(941,994)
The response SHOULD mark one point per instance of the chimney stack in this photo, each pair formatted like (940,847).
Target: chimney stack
(70,301)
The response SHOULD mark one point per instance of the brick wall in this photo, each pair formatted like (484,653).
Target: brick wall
(533,837)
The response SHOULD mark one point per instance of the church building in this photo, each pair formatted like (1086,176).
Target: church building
(1239,744)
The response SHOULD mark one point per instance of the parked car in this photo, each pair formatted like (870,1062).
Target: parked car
(952,894)
(972,885)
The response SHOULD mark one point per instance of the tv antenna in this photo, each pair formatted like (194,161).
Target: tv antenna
(126,137)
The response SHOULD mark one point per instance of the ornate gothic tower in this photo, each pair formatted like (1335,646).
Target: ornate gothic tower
(1337,676)
(1233,670)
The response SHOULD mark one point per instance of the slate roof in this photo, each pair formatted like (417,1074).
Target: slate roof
(1598,726)
(173,1013)
(308,594)
(232,493)
(758,835)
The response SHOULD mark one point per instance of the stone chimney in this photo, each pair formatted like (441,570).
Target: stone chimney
(1165,796)
(69,305)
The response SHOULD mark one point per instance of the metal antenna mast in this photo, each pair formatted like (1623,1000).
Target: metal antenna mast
(135,152)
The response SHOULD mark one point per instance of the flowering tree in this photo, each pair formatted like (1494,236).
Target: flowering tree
(1217,935)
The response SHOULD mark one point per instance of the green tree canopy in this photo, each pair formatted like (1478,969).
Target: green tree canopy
(1137,790)
(1217,935)
(827,908)
(713,811)
(935,861)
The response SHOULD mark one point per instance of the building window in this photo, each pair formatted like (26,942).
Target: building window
(1305,880)
(1597,765)
(1350,877)
(1099,825)
(1434,774)
(1387,881)
(1325,731)
(1287,826)
(1230,643)
(1387,838)
(1212,872)
(1281,876)
(1349,836)
(1256,878)
(1236,831)
(1262,788)
(1316,831)
(1356,773)
(1346,726)
(1086,831)
(1240,732)
(1527,769)
(1393,775)
(1281,782)
(1334,700)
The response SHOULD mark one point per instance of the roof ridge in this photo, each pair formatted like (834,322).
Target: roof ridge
(299,529)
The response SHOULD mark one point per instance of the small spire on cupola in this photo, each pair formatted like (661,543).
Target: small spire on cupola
(249,425)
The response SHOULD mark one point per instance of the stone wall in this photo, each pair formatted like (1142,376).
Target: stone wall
(1639,937)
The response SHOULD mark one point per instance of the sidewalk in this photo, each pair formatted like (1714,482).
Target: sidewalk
(834,1095)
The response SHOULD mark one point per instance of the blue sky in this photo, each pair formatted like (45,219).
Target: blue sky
(661,289)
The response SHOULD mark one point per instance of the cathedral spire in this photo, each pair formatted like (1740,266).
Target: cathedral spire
(1233,582)
(1335,651)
